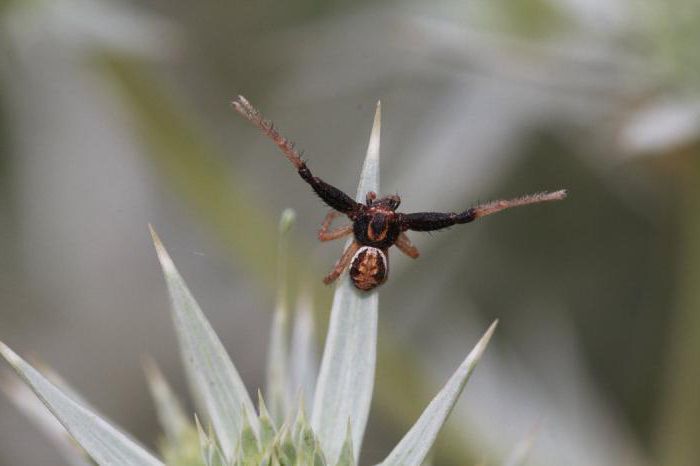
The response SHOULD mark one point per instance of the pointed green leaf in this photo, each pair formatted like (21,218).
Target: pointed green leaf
(277,393)
(369,177)
(346,378)
(303,365)
(180,446)
(277,369)
(520,453)
(211,454)
(306,446)
(173,420)
(346,454)
(287,451)
(300,424)
(248,443)
(267,428)
(31,406)
(319,458)
(55,378)
(414,447)
(214,378)
(102,441)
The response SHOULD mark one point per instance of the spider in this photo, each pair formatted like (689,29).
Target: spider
(376,225)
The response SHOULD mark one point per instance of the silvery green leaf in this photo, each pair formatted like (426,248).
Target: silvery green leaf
(248,444)
(214,378)
(56,379)
(319,458)
(369,177)
(28,403)
(306,446)
(415,445)
(346,454)
(277,369)
(278,395)
(211,454)
(267,428)
(103,442)
(303,365)
(287,451)
(267,460)
(522,450)
(171,416)
(300,423)
(346,378)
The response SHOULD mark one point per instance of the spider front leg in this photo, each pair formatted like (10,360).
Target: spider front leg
(342,263)
(325,235)
(431,221)
(331,195)
(405,246)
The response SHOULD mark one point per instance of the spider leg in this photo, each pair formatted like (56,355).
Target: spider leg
(325,235)
(331,195)
(430,221)
(342,263)
(405,246)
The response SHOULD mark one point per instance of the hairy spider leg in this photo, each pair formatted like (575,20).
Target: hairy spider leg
(405,246)
(325,235)
(430,221)
(342,263)
(334,197)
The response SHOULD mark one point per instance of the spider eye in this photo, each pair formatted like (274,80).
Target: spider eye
(377,224)
(394,202)
(371,196)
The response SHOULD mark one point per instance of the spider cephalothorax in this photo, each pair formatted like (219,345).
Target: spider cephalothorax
(376,225)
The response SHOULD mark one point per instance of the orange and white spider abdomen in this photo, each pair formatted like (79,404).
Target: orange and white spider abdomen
(369,268)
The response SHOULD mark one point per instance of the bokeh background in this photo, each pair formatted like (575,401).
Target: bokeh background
(116,114)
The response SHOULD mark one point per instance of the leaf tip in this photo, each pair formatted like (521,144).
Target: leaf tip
(484,341)
(163,256)
(287,220)
(150,368)
(10,356)
(262,408)
(369,177)
(154,376)
(376,131)
(154,235)
(160,249)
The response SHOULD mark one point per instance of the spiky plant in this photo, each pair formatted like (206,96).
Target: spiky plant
(237,434)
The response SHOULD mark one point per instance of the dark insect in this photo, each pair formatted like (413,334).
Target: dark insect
(376,225)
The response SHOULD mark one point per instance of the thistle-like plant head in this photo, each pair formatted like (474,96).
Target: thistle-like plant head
(229,430)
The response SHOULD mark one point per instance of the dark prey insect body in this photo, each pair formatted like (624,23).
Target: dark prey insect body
(376,226)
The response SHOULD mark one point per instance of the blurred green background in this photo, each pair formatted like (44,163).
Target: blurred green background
(115,114)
